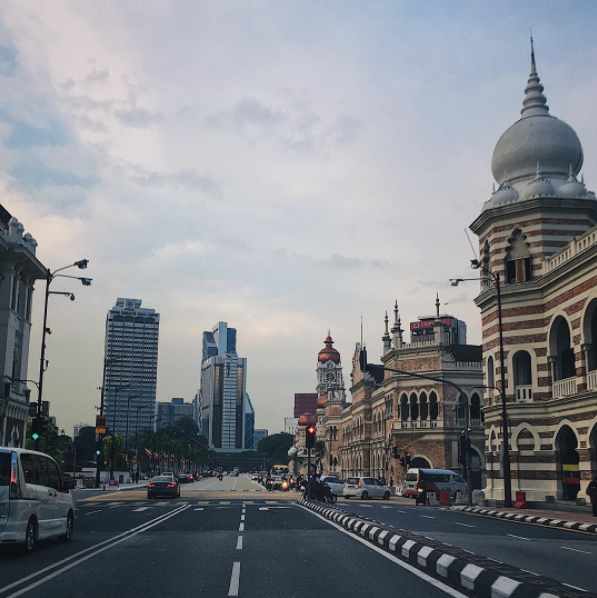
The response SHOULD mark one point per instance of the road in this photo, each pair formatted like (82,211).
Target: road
(229,538)
(566,556)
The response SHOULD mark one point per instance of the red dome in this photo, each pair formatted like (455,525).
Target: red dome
(328,353)
(307,419)
(321,402)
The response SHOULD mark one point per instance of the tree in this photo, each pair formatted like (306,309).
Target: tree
(119,462)
(276,447)
(48,439)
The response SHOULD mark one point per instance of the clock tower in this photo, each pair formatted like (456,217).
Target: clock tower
(330,382)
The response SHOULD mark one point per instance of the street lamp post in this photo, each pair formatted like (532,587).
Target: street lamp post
(50,276)
(495,278)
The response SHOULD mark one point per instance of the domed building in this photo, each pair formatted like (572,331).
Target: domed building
(538,242)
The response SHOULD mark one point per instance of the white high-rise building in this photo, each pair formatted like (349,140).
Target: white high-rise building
(222,397)
(132,334)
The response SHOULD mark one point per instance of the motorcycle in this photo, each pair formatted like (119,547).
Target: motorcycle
(269,484)
(220,477)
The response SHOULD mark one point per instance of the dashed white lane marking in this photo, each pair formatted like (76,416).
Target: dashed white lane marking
(115,507)
(575,549)
(92,512)
(241,527)
(239,543)
(242,517)
(199,509)
(518,537)
(399,511)
(234,579)
(428,516)
(463,524)
(141,509)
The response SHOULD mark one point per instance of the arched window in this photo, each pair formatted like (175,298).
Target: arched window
(404,410)
(414,407)
(433,407)
(460,410)
(424,406)
(522,368)
(476,409)
(490,372)
(561,349)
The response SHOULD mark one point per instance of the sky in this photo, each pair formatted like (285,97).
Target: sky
(287,167)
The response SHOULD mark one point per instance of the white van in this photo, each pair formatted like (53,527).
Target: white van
(35,501)
(434,480)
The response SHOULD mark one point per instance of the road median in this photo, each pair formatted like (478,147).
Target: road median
(473,573)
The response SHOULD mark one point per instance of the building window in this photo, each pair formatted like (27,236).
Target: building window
(490,372)
(433,407)
(404,411)
(518,258)
(414,407)
(14,292)
(561,349)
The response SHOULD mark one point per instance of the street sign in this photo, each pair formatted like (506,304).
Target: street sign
(100,424)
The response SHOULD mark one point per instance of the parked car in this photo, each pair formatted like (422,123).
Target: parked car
(336,484)
(163,485)
(434,480)
(365,488)
(35,500)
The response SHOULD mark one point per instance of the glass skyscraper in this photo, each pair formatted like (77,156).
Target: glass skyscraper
(131,362)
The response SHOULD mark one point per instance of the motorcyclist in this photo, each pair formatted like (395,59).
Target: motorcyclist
(268,481)
(220,476)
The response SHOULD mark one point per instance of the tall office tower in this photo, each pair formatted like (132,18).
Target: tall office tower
(131,362)
(223,389)
(249,423)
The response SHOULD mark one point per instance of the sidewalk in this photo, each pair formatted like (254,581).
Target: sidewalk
(581,521)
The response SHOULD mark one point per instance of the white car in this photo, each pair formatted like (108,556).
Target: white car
(254,477)
(365,488)
(336,484)
(35,501)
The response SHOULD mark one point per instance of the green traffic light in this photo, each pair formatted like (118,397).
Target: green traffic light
(35,436)
(97,452)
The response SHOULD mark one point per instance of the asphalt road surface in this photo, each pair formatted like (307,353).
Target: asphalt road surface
(229,538)
(567,556)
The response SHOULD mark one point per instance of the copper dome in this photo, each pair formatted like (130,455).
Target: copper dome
(328,353)
(307,419)
(321,402)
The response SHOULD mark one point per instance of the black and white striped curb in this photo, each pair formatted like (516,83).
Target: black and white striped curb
(590,528)
(473,578)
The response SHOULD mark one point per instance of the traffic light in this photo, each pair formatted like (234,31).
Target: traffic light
(465,447)
(407,460)
(402,461)
(98,452)
(310,437)
(35,435)
(395,453)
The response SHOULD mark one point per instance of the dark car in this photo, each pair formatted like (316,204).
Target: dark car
(163,485)
(184,478)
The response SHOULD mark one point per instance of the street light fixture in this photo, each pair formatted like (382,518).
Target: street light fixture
(495,278)
(50,276)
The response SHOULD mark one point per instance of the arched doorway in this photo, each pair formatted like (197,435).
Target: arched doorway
(568,460)
(420,463)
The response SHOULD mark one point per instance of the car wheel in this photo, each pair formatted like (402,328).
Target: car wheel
(70,521)
(386,496)
(365,495)
(30,537)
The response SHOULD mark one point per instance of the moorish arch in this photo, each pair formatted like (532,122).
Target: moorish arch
(420,462)
(566,445)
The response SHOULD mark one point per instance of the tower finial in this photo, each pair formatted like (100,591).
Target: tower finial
(437,306)
(534,103)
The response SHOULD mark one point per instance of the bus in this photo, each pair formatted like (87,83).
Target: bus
(279,470)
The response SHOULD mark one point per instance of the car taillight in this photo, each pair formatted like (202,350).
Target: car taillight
(170,485)
(360,483)
(151,486)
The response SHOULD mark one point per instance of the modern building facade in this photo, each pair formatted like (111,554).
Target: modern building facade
(222,395)
(249,423)
(291,425)
(404,413)
(260,434)
(131,365)
(169,413)
(19,269)
(538,233)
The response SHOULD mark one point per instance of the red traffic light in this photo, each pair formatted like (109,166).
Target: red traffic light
(311,430)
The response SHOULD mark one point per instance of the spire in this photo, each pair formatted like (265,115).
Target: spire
(387,342)
(386,321)
(534,103)
(437,306)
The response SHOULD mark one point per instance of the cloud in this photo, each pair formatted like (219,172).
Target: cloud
(186,178)
(138,118)
(245,114)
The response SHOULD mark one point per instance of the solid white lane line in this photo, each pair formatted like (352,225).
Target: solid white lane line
(72,556)
(234,579)
(239,543)
(434,582)
(90,555)
(575,549)
(92,512)
(574,587)
(518,537)
(463,524)
(241,527)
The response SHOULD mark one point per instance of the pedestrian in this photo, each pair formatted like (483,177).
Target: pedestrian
(592,493)
(391,482)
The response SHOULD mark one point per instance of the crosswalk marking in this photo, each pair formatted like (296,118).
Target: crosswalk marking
(224,502)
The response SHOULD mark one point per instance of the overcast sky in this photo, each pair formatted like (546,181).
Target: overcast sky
(282,166)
